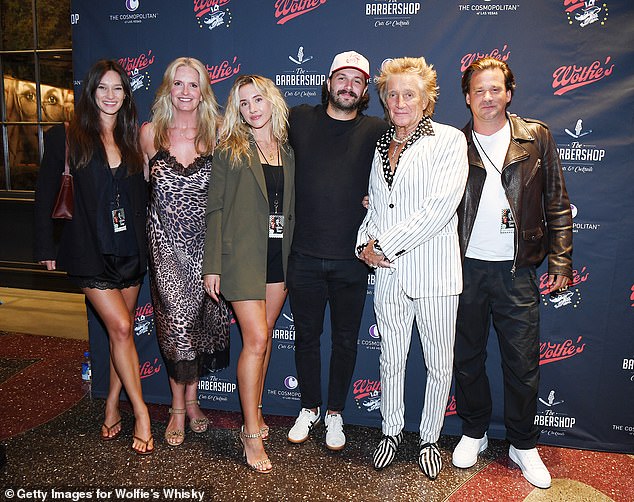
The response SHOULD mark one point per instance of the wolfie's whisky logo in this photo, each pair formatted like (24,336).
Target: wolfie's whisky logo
(285,10)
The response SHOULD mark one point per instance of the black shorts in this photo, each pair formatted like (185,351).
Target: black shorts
(120,272)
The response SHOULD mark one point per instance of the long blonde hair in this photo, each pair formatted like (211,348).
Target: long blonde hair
(235,134)
(207,111)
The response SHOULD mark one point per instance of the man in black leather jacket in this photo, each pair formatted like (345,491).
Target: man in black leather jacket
(515,211)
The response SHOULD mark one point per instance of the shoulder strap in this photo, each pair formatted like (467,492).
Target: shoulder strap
(66,166)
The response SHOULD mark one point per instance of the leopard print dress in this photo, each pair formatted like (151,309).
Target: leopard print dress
(192,329)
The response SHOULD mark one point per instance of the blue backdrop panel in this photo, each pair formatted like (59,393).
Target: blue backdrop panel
(573,62)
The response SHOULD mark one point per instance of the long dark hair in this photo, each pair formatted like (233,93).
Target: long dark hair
(84,132)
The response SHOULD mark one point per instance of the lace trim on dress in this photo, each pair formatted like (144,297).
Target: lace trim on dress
(197,164)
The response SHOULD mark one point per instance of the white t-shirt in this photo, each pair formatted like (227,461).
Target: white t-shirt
(493,230)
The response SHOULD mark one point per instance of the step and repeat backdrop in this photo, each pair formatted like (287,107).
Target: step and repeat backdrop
(573,61)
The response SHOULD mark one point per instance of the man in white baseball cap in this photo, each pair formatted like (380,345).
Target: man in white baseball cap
(350,59)
(334,144)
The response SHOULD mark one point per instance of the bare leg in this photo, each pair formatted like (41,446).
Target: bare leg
(112,415)
(275,297)
(116,309)
(197,419)
(251,316)
(177,419)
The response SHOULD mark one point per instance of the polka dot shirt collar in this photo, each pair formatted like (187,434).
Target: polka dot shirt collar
(424,128)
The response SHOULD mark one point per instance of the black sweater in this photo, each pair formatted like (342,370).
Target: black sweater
(333,159)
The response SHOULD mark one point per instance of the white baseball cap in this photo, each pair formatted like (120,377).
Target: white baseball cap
(350,59)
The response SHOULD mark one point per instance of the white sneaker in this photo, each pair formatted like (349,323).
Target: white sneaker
(335,438)
(466,453)
(303,425)
(532,466)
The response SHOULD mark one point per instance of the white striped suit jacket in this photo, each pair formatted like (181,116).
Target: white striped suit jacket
(415,222)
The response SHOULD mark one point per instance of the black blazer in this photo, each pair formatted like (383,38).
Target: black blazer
(78,252)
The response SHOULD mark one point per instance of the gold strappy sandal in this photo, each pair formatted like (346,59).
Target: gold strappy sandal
(197,425)
(264,431)
(263,466)
(176,436)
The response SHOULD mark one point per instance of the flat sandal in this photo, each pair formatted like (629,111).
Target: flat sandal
(109,428)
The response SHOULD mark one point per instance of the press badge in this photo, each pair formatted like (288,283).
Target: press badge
(507,223)
(118,219)
(276,226)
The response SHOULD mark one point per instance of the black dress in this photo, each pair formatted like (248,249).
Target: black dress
(274,177)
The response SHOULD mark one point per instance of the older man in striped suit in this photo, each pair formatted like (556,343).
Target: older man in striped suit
(410,235)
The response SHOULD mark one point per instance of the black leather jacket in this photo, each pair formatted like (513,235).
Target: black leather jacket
(536,191)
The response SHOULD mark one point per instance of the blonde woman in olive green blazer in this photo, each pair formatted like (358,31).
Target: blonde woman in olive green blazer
(254,132)
(238,223)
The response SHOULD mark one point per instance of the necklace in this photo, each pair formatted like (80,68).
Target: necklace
(397,147)
(271,156)
(400,141)
(276,178)
(485,152)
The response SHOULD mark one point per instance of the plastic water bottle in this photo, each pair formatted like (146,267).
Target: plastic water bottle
(86,372)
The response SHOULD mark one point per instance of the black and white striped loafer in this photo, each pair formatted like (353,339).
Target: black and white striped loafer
(386,450)
(429,460)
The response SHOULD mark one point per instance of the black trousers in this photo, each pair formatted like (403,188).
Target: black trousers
(511,301)
(311,283)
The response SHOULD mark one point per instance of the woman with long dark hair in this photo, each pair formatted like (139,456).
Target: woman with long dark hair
(103,248)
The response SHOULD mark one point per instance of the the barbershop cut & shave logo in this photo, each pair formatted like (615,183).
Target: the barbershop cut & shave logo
(391,14)
(300,79)
(580,154)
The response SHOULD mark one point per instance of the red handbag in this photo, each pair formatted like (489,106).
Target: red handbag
(65,203)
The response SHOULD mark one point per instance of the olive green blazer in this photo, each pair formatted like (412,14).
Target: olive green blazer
(237,218)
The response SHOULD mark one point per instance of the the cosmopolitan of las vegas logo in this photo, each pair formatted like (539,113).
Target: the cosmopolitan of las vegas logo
(580,154)
(285,10)
(137,68)
(488,7)
(212,14)
(581,225)
(289,392)
(372,341)
(133,13)
(300,80)
(391,14)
